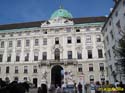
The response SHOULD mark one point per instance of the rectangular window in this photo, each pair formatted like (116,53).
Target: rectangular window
(25,69)
(9,58)
(10,44)
(36,42)
(89,54)
(98,38)
(56,40)
(78,40)
(44,31)
(79,55)
(16,69)
(44,55)
(17,57)
(101,65)
(90,67)
(34,69)
(1,57)
(91,78)
(2,44)
(68,29)
(111,33)
(100,54)
(27,57)
(18,43)
(88,39)
(27,43)
(107,39)
(69,54)
(79,67)
(77,30)
(44,41)
(109,54)
(7,70)
(69,40)
(36,56)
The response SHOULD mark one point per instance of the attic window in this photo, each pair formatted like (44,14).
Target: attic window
(77,30)
(11,35)
(3,35)
(45,31)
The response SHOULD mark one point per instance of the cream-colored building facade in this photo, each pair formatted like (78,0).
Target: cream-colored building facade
(61,49)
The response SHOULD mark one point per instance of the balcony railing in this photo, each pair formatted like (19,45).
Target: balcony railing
(60,62)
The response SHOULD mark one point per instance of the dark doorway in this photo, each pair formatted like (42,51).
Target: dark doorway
(57,75)
(35,82)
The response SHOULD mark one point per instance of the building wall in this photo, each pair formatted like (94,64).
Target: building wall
(112,29)
(91,29)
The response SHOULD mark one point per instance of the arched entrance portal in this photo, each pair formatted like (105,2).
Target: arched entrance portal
(57,75)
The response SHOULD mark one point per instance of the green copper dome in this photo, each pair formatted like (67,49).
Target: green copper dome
(61,13)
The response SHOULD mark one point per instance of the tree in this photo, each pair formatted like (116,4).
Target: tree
(120,52)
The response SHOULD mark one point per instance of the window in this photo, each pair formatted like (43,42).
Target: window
(19,34)
(78,40)
(16,78)
(77,30)
(44,31)
(68,29)
(11,35)
(18,43)
(56,40)
(102,78)
(88,39)
(17,57)
(2,44)
(111,33)
(44,41)
(69,54)
(79,67)
(57,54)
(89,54)
(25,69)
(27,33)
(101,65)
(16,69)
(0,69)
(36,56)
(25,78)
(44,55)
(34,69)
(9,58)
(116,13)
(110,23)
(10,44)
(69,40)
(7,69)
(3,35)
(27,57)
(98,38)
(109,54)
(90,67)
(107,39)
(79,55)
(91,78)
(1,57)
(27,43)
(100,54)
(36,42)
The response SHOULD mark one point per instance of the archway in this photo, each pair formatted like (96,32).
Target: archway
(57,75)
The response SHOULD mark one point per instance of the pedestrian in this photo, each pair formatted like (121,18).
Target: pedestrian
(97,86)
(80,87)
(39,89)
(122,86)
(58,90)
(92,87)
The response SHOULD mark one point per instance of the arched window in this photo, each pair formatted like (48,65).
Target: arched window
(57,54)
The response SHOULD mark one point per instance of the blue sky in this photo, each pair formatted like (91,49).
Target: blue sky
(17,11)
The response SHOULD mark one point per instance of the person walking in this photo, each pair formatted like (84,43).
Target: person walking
(80,87)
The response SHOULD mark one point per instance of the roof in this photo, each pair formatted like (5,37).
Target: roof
(61,13)
(38,23)
(116,5)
